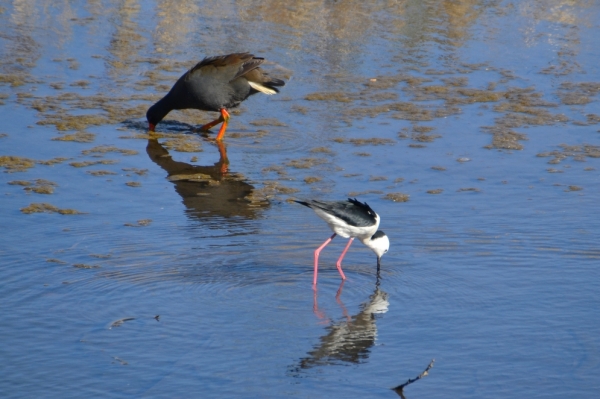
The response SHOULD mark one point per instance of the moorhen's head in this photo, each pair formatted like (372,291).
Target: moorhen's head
(152,118)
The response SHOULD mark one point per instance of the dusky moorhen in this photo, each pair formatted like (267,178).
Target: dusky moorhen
(216,84)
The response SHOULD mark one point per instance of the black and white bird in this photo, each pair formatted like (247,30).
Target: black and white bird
(353,219)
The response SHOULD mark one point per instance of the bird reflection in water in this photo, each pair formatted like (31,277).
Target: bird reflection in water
(351,339)
(208,191)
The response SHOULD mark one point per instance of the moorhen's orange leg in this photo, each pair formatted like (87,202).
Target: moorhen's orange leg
(205,128)
(223,160)
(225,118)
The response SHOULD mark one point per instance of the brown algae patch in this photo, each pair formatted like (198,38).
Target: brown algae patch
(53,161)
(361,142)
(504,139)
(280,170)
(139,223)
(267,122)
(103,149)
(133,184)
(377,178)
(85,266)
(79,137)
(321,150)
(576,152)
(440,168)
(479,96)
(397,197)
(48,208)
(54,260)
(16,164)
(361,193)
(362,154)
(473,189)
(100,172)
(137,171)
(183,144)
(330,96)
(435,191)
(300,109)
(19,183)
(41,186)
(84,164)
(305,163)
(425,138)
(74,122)
(312,179)
(269,191)
(574,188)
(578,93)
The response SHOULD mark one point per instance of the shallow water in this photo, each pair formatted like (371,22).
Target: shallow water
(176,280)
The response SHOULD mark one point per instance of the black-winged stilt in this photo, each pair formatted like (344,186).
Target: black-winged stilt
(353,219)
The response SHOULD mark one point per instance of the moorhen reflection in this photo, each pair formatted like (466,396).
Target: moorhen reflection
(349,340)
(208,191)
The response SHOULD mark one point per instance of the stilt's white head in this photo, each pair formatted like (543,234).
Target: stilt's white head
(379,243)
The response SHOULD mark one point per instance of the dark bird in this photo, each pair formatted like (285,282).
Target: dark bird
(216,84)
(352,219)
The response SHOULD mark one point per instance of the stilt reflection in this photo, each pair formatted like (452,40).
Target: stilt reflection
(351,339)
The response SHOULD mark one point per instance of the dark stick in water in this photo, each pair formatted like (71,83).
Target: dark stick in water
(425,373)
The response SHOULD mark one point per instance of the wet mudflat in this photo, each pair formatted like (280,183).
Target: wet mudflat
(133,266)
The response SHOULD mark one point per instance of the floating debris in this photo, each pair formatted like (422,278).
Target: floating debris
(85,266)
(119,323)
(399,389)
(53,260)
(139,223)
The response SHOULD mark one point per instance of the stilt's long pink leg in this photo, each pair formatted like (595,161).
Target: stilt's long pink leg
(339,262)
(317,252)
